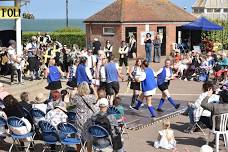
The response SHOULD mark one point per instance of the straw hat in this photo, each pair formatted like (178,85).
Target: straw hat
(39,98)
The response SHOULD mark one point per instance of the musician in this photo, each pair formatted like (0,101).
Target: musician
(123,51)
(108,50)
(33,60)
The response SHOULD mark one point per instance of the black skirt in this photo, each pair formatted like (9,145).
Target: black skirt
(164,86)
(72,83)
(54,85)
(135,86)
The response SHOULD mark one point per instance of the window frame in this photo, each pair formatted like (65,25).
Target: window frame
(108,33)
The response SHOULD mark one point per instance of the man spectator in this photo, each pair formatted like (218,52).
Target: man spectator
(110,123)
(216,108)
(12,56)
(96,46)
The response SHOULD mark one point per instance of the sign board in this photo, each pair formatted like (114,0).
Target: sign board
(143,36)
(7,12)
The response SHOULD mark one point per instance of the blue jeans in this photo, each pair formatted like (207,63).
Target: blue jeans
(157,54)
(148,48)
(190,115)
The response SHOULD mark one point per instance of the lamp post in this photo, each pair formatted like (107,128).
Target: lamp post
(67,23)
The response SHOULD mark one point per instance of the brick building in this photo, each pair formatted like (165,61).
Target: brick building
(124,17)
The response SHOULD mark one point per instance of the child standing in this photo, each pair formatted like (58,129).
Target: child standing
(165,138)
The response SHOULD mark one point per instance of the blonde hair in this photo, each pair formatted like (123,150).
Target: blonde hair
(83,89)
(166,124)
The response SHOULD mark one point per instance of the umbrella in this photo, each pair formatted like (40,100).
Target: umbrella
(202,24)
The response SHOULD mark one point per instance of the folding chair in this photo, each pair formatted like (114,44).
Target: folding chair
(98,132)
(3,124)
(72,117)
(49,134)
(15,122)
(223,118)
(37,115)
(66,131)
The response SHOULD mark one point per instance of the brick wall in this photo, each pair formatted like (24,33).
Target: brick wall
(97,31)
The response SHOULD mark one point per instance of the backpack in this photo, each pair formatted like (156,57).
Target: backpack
(103,121)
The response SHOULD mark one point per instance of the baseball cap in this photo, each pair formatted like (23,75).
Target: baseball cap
(103,102)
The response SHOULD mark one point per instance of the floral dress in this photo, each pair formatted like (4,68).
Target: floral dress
(84,111)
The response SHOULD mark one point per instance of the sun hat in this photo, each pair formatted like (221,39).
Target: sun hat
(103,102)
(206,148)
(39,98)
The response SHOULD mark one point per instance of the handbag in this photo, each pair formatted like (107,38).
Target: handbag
(87,104)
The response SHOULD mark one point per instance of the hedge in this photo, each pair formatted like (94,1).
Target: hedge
(220,36)
(66,38)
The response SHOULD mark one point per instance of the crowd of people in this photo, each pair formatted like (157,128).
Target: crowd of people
(93,77)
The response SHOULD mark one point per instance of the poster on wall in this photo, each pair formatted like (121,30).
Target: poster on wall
(143,36)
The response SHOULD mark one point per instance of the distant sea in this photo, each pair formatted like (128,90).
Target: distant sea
(41,25)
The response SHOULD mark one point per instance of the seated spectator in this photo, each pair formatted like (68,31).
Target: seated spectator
(38,103)
(110,123)
(13,108)
(55,100)
(3,93)
(116,104)
(184,64)
(57,115)
(196,113)
(84,104)
(101,93)
(165,138)
(2,128)
(25,101)
(216,108)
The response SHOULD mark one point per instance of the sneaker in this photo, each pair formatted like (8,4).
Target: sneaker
(177,106)
(142,105)
(12,83)
(134,108)
(153,118)
(131,107)
(185,79)
(160,110)
(38,78)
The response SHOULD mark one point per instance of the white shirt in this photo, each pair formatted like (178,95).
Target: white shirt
(102,74)
(91,60)
(88,73)
(11,53)
(106,48)
(123,50)
(168,73)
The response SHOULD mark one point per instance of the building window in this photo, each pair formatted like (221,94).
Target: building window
(108,31)
(210,10)
(225,10)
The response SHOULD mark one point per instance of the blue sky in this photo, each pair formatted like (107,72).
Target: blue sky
(77,8)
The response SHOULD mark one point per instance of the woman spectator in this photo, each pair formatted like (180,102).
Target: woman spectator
(55,100)
(25,101)
(38,103)
(135,73)
(157,49)
(57,115)
(84,103)
(148,47)
(184,65)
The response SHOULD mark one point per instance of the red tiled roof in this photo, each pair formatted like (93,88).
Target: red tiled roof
(141,11)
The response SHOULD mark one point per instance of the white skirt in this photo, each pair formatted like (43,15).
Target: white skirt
(150,92)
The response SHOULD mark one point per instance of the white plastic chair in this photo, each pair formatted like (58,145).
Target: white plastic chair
(222,129)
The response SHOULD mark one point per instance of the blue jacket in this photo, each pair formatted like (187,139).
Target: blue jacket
(81,74)
(54,74)
(111,72)
(150,82)
(161,76)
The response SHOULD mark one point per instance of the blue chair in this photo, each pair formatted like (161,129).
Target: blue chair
(3,124)
(72,116)
(15,122)
(37,115)
(49,134)
(98,132)
(69,135)
(113,111)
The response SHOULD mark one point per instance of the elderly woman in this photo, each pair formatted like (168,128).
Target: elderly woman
(84,108)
